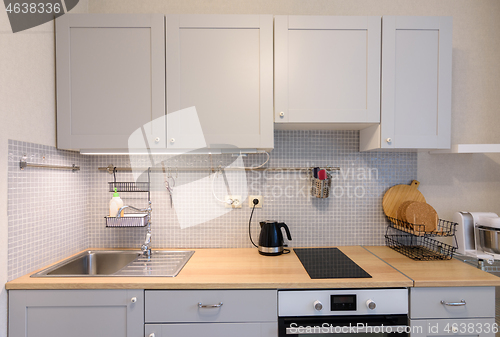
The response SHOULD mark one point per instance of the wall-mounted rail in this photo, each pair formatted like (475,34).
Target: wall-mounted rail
(23,165)
(110,168)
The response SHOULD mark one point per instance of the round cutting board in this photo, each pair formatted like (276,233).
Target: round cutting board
(398,194)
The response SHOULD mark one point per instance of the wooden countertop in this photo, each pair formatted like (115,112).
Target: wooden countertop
(234,269)
(246,269)
(449,273)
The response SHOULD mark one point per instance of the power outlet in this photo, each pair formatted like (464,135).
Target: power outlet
(233,201)
(258,197)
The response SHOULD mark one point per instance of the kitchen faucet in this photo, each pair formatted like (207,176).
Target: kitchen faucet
(145,248)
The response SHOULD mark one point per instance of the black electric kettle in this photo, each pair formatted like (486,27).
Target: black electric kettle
(271,239)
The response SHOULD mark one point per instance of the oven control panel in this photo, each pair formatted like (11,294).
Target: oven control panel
(342,302)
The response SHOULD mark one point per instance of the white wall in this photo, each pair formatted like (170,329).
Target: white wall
(27,109)
(469,182)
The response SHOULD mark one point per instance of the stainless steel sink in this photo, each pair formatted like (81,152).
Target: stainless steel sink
(119,263)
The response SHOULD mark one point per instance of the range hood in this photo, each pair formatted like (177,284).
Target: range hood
(470,148)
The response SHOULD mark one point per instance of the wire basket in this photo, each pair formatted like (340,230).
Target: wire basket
(444,228)
(321,188)
(129,186)
(127,220)
(421,248)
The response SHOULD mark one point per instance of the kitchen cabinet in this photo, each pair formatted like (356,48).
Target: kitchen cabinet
(211,329)
(454,311)
(327,71)
(416,85)
(110,79)
(77,313)
(193,313)
(222,65)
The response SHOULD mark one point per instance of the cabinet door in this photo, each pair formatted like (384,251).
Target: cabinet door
(222,65)
(327,69)
(416,82)
(212,329)
(479,327)
(110,79)
(76,313)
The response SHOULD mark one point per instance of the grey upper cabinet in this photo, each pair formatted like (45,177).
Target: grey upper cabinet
(416,85)
(223,66)
(110,80)
(327,71)
(76,313)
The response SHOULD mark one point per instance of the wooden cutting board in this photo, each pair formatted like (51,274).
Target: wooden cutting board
(423,215)
(398,194)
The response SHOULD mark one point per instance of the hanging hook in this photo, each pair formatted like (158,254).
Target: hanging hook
(114,176)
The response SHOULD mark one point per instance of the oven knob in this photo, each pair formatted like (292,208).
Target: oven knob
(370,304)
(318,305)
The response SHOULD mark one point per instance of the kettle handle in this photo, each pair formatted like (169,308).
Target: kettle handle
(283,225)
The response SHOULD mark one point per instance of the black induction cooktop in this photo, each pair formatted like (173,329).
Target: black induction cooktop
(329,263)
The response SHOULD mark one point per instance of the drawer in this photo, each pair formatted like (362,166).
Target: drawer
(427,302)
(213,329)
(166,306)
(478,327)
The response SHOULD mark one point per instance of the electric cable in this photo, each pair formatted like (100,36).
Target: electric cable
(240,168)
(213,187)
(255,202)
(256,167)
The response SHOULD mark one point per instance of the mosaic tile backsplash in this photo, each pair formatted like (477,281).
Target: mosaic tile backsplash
(191,216)
(47,209)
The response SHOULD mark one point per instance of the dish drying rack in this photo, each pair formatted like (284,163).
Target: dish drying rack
(141,219)
(414,242)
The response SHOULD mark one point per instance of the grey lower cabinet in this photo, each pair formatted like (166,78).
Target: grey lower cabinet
(76,313)
(212,330)
(221,313)
(454,311)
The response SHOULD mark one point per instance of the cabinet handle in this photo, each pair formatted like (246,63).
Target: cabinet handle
(389,140)
(172,140)
(201,305)
(133,299)
(454,304)
(282,114)
(157,139)
(152,334)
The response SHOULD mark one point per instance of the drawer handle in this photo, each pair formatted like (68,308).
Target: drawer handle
(454,304)
(201,305)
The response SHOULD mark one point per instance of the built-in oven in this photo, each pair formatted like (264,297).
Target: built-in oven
(343,312)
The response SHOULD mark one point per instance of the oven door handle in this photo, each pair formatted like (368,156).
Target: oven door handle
(331,329)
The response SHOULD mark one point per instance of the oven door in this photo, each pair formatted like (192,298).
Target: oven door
(344,326)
